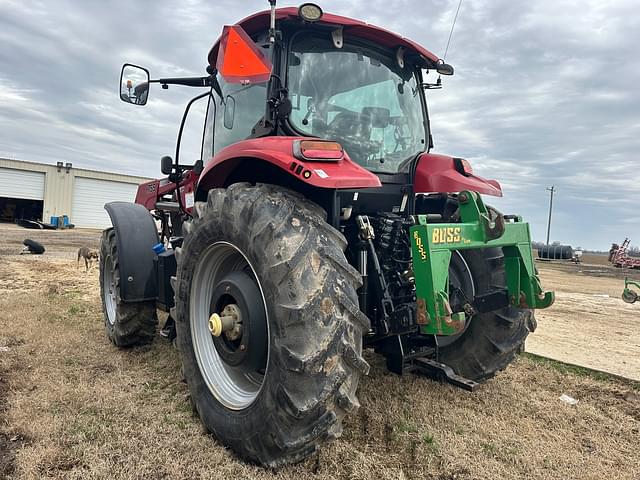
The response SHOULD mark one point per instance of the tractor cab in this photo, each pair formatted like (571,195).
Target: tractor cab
(317,75)
(332,78)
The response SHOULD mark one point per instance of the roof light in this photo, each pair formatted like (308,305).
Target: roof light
(310,12)
(321,150)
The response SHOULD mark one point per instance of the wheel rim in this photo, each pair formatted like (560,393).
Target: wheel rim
(109,290)
(231,386)
(459,277)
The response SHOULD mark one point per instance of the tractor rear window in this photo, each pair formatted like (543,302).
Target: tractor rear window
(363,100)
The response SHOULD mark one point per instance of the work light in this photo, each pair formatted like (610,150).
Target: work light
(310,12)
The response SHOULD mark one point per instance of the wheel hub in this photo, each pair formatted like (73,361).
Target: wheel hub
(229,322)
(224,279)
(239,330)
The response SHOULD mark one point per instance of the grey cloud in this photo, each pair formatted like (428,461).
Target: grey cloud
(544,92)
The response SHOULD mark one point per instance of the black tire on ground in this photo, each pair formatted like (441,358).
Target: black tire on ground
(314,325)
(629,296)
(126,324)
(491,340)
(33,246)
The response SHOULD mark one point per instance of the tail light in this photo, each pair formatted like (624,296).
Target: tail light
(462,166)
(319,150)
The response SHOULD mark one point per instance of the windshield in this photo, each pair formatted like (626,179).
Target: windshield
(360,99)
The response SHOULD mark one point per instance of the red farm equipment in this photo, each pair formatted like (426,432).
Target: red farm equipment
(619,257)
(316,223)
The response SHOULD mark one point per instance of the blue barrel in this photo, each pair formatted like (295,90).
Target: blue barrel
(54,221)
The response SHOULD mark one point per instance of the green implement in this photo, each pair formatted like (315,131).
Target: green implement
(432,244)
(629,295)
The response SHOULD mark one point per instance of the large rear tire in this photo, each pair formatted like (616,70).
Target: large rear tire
(491,340)
(272,255)
(126,324)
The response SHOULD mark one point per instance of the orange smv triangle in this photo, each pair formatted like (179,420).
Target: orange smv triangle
(239,59)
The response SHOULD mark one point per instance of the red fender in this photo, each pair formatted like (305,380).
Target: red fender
(437,174)
(147,194)
(150,192)
(278,151)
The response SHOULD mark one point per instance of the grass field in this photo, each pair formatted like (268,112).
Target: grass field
(74,406)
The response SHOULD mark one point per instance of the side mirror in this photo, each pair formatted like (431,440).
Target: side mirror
(444,68)
(134,84)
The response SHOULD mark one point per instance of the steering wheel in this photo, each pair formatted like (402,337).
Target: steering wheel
(347,127)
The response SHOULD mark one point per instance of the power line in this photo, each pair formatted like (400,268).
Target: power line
(451,32)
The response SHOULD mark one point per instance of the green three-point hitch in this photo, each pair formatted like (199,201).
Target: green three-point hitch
(432,244)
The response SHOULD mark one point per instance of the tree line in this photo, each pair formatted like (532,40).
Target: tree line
(632,251)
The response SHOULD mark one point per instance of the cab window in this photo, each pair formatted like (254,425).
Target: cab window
(239,110)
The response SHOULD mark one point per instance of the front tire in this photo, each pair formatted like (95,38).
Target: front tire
(275,407)
(491,340)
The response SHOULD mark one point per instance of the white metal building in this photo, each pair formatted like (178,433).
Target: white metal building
(37,191)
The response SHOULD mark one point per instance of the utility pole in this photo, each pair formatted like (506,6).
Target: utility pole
(552,189)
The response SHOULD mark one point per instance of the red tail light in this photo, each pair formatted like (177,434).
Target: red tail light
(320,150)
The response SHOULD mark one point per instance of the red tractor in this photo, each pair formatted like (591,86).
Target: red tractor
(316,223)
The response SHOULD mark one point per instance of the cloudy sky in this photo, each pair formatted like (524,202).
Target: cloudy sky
(545,92)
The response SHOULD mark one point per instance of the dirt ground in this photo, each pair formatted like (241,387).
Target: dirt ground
(74,406)
(589,324)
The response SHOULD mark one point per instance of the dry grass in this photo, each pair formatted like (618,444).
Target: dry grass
(73,406)
(595,259)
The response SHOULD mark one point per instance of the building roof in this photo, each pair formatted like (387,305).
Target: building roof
(39,166)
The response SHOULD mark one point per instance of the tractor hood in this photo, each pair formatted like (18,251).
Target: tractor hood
(438,173)
(259,22)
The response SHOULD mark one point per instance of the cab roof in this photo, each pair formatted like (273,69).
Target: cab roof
(259,22)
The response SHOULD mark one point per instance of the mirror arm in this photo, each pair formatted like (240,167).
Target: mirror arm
(208,81)
(187,81)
